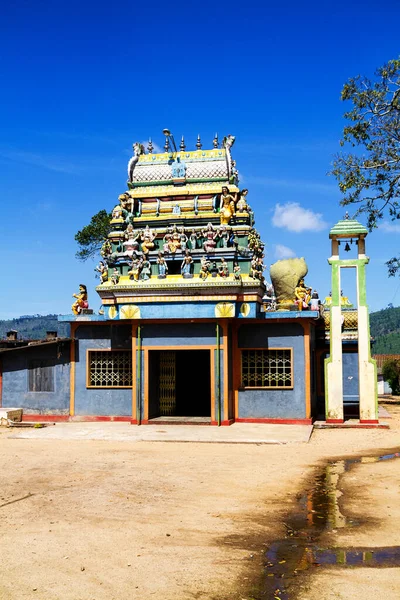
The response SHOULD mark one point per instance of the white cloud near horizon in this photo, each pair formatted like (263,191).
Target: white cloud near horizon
(390,227)
(282,251)
(293,217)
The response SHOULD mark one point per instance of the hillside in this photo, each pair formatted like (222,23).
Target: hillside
(385,329)
(34,327)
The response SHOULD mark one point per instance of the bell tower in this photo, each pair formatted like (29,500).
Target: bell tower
(344,233)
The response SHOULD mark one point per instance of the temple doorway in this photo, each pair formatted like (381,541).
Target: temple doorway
(179,383)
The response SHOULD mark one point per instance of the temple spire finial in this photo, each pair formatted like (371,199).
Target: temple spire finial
(150,146)
(199,145)
(215,141)
(182,144)
(166,145)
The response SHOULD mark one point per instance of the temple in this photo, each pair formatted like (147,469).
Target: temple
(189,330)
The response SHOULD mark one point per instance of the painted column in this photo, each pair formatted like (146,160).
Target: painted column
(366,365)
(333,364)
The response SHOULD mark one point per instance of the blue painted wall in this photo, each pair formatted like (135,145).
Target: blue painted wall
(178,334)
(275,404)
(351,391)
(101,401)
(15,379)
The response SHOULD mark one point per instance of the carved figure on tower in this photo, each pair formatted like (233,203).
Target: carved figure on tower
(115,277)
(138,149)
(146,270)
(127,203)
(224,235)
(106,249)
(186,266)
(193,239)
(204,268)
(226,206)
(209,234)
(81,300)
(147,237)
(162,266)
(237,271)
(132,240)
(242,208)
(103,270)
(223,269)
(135,269)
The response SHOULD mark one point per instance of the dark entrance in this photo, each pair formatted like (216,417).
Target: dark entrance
(179,383)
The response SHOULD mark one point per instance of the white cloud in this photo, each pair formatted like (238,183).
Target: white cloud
(282,251)
(390,227)
(293,217)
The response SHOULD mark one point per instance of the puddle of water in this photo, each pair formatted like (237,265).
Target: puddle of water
(319,512)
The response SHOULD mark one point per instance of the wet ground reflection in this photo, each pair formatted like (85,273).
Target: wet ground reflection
(319,512)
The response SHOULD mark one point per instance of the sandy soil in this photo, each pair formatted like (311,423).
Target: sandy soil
(90,520)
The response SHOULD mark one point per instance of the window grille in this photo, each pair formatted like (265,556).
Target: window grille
(110,368)
(40,376)
(267,368)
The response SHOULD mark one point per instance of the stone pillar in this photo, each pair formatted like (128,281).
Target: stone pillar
(333,364)
(368,383)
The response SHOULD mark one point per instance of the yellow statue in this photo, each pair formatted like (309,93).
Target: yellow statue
(226,206)
(81,300)
(302,295)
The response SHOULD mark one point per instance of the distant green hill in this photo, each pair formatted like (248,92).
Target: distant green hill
(34,327)
(385,329)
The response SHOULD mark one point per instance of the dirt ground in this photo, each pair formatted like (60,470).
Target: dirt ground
(101,520)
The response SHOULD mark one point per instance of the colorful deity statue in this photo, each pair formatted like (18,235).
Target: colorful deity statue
(132,238)
(224,235)
(223,269)
(226,206)
(183,238)
(204,268)
(172,240)
(237,271)
(186,266)
(210,234)
(103,270)
(81,301)
(146,270)
(242,208)
(193,239)
(127,203)
(302,295)
(147,237)
(106,249)
(135,270)
(115,277)
(162,266)
(117,214)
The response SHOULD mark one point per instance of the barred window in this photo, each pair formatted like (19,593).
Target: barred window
(40,376)
(109,368)
(270,368)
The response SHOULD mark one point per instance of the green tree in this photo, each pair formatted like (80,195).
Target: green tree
(391,374)
(369,175)
(92,236)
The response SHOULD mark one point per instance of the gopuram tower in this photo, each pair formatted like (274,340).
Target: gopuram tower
(182,241)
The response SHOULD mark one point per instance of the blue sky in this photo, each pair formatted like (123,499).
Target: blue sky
(81,82)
